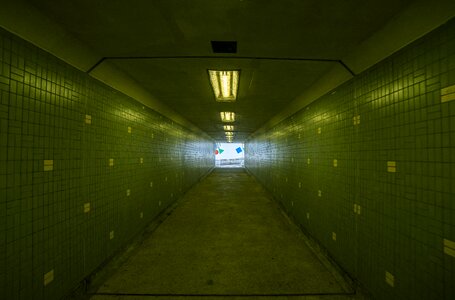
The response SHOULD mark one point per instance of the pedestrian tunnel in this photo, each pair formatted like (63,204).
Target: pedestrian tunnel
(227,149)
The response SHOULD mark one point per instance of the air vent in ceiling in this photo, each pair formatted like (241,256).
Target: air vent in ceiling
(224,46)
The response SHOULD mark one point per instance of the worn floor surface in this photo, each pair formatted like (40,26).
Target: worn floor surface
(226,240)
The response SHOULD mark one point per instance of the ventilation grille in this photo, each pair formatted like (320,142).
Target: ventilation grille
(224,46)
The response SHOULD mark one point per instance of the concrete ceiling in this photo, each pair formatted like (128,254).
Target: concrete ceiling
(308,29)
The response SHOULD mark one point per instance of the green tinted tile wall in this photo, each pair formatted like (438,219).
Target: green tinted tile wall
(50,111)
(384,221)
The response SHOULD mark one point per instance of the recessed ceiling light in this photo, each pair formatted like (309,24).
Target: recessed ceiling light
(224,84)
(228,133)
(229,139)
(228,127)
(227,116)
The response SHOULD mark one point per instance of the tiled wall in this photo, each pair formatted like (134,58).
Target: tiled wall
(369,171)
(83,168)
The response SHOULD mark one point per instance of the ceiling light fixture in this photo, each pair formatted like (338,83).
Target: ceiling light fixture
(228,127)
(229,139)
(227,116)
(228,133)
(224,84)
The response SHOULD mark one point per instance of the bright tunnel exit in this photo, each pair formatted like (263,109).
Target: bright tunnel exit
(229,155)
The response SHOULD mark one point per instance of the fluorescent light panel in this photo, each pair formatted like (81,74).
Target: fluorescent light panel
(227,116)
(228,127)
(228,133)
(224,84)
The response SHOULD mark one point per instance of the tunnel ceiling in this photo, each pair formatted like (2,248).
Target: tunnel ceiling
(139,31)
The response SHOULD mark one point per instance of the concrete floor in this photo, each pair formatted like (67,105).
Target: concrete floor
(227,239)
